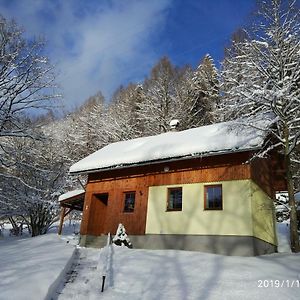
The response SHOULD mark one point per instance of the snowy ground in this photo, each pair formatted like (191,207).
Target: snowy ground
(36,269)
(283,236)
(169,274)
(31,267)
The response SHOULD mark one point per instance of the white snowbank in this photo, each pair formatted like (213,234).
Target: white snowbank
(71,194)
(220,137)
(283,236)
(31,268)
(170,275)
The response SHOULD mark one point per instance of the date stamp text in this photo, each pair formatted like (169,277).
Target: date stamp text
(276,283)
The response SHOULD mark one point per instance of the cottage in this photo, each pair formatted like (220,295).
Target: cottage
(196,189)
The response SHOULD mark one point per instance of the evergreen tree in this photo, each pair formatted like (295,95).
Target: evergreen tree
(121,238)
(204,93)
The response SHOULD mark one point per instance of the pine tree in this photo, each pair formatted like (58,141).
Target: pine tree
(204,92)
(121,238)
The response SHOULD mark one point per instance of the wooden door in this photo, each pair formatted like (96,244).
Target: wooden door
(98,213)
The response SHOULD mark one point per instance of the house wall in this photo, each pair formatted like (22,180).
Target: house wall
(99,219)
(234,219)
(261,173)
(263,215)
(269,174)
(94,213)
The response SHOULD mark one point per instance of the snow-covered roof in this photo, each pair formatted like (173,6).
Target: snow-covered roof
(217,138)
(70,194)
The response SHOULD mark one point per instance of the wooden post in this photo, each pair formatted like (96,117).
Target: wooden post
(61,222)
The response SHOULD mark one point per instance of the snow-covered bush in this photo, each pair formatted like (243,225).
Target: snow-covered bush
(121,238)
(282,207)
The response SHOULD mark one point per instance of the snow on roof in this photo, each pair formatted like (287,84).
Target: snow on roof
(70,194)
(216,138)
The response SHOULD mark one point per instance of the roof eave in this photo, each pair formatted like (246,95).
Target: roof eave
(71,197)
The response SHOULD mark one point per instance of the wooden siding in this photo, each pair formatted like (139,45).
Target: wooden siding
(98,219)
(268,174)
(278,172)
(261,174)
(224,160)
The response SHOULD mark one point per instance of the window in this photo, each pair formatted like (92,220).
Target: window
(129,200)
(174,199)
(102,197)
(213,197)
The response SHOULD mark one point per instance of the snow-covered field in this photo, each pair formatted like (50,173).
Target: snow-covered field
(169,274)
(30,268)
(47,267)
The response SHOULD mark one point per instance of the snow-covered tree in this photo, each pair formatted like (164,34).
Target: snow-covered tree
(85,133)
(121,238)
(162,102)
(204,93)
(26,78)
(31,184)
(267,68)
(123,119)
(26,84)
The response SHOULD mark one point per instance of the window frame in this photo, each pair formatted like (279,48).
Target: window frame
(124,201)
(205,196)
(168,198)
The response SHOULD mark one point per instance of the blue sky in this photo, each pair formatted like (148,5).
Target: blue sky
(101,44)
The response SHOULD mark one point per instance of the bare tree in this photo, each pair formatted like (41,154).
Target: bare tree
(26,84)
(164,97)
(26,78)
(29,187)
(123,120)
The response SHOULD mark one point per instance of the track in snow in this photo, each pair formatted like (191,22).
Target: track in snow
(83,274)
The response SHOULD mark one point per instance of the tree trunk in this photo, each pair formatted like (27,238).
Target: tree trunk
(294,236)
(15,228)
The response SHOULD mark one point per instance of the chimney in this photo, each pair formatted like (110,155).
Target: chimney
(174,125)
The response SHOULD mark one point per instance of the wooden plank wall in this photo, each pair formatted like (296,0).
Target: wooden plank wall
(261,175)
(98,219)
(268,174)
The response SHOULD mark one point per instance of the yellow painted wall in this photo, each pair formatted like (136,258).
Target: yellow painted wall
(234,219)
(263,215)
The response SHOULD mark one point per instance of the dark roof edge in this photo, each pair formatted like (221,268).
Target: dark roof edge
(151,162)
(72,197)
